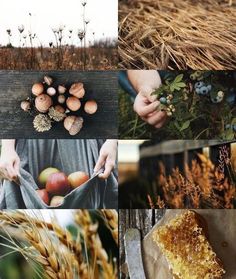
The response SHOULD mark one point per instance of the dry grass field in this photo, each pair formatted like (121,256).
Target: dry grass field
(63,58)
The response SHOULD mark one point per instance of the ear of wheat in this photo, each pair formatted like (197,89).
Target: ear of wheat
(61,255)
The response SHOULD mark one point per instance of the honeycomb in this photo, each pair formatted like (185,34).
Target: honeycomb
(183,241)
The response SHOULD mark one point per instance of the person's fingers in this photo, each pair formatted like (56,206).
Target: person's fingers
(4,171)
(11,171)
(17,166)
(109,166)
(100,162)
(156,119)
(143,110)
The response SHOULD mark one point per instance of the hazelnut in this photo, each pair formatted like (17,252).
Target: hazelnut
(61,99)
(77,90)
(73,124)
(37,89)
(48,80)
(61,89)
(90,107)
(43,102)
(25,105)
(73,103)
(51,91)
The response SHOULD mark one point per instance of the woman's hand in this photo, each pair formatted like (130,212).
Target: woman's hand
(148,111)
(145,82)
(107,158)
(9,160)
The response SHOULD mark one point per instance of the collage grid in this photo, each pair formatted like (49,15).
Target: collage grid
(117,139)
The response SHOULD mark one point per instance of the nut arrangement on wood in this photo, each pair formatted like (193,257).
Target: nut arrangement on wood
(50,104)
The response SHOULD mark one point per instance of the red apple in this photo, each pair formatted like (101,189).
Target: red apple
(44,195)
(56,201)
(43,176)
(57,184)
(77,178)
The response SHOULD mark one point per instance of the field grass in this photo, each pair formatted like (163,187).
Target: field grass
(64,58)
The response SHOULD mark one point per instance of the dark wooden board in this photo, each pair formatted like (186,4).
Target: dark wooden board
(99,85)
(142,219)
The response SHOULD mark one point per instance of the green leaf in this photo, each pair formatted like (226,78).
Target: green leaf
(181,84)
(233,122)
(178,78)
(185,125)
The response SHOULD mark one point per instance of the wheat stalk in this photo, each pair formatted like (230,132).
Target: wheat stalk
(111,220)
(55,249)
(94,244)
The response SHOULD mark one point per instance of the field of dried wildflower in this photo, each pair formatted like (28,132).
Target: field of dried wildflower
(67,58)
(53,251)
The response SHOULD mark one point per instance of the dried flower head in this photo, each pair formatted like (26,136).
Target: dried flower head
(42,123)
(81,34)
(56,115)
(21,28)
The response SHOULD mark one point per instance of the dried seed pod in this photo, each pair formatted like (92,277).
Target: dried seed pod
(25,105)
(73,103)
(48,80)
(90,107)
(61,99)
(51,91)
(77,90)
(43,102)
(42,123)
(61,89)
(73,124)
(37,89)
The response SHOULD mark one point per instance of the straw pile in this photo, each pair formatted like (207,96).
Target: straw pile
(177,34)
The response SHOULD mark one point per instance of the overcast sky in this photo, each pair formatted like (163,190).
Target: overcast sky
(47,14)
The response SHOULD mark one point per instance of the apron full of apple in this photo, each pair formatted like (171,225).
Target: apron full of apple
(51,169)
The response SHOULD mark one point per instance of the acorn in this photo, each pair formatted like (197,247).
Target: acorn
(61,89)
(55,114)
(37,89)
(77,90)
(51,91)
(61,99)
(60,109)
(25,105)
(90,107)
(48,80)
(73,124)
(73,103)
(43,102)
